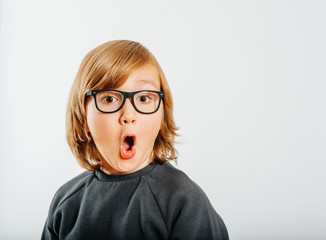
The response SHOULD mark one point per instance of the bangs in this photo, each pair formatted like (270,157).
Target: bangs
(114,63)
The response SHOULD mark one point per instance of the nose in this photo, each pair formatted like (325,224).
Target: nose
(128,113)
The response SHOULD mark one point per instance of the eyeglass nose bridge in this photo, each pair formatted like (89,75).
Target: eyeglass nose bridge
(126,96)
(129,95)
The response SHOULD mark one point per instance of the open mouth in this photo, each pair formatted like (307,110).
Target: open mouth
(128,143)
(128,147)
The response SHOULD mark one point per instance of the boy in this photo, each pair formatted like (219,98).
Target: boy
(120,127)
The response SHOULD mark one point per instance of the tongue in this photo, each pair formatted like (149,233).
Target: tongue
(126,146)
(128,150)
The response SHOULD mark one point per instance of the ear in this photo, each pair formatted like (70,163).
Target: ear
(87,128)
(162,121)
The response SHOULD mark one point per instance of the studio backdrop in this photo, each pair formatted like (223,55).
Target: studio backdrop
(248,84)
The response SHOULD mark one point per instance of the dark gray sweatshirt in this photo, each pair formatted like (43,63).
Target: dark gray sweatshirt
(156,202)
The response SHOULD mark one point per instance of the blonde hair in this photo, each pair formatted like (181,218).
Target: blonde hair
(107,67)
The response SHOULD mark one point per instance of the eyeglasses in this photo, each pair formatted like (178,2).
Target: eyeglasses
(110,101)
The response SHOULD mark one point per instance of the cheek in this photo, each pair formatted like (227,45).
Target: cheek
(102,127)
(151,126)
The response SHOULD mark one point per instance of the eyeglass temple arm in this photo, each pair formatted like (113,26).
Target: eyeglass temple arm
(89,93)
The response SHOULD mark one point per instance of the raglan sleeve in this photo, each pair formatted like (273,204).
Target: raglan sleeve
(48,232)
(194,216)
(58,220)
(52,224)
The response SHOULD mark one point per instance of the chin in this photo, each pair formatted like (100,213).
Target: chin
(123,166)
(128,165)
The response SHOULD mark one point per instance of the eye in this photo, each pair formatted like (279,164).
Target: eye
(144,99)
(109,99)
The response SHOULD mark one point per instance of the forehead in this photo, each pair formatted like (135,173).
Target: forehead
(146,77)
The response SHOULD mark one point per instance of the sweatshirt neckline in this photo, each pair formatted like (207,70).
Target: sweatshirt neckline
(125,177)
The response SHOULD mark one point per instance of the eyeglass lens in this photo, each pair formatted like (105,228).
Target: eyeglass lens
(110,101)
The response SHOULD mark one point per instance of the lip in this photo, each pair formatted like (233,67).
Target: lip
(131,153)
(129,135)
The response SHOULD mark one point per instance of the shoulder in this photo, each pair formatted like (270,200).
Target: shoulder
(170,184)
(71,187)
(185,208)
(167,175)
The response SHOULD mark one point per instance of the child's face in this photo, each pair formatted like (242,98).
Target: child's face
(108,130)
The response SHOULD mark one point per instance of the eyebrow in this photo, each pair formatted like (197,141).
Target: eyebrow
(147,82)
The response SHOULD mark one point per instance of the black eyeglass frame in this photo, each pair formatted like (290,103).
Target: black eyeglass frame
(125,96)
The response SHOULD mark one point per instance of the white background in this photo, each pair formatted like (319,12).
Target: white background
(248,81)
